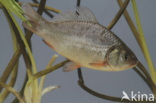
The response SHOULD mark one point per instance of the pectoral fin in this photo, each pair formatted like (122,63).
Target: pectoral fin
(99,64)
(70,66)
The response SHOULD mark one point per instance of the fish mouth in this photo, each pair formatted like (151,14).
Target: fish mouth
(133,63)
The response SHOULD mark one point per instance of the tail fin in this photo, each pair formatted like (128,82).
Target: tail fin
(33,17)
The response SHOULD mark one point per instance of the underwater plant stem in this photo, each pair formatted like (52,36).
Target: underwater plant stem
(103,96)
(10,66)
(14,73)
(111,98)
(139,72)
(26,45)
(13,6)
(130,23)
(118,15)
(22,89)
(99,95)
(136,35)
(18,38)
(49,70)
(11,83)
(143,42)
(24,40)
(78,3)
(148,77)
(13,91)
(46,12)
(46,7)
(48,66)
(41,7)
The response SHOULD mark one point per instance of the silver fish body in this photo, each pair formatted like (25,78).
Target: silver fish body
(81,39)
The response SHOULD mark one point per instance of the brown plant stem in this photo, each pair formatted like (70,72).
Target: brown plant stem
(13,91)
(22,89)
(46,7)
(19,40)
(99,95)
(143,69)
(43,4)
(78,3)
(130,22)
(103,96)
(118,15)
(11,83)
(40,10)
(13,72)
(143,77)
(149,79)
(135,33)
(49,70)
(28,36)
(81,81)
(10,66)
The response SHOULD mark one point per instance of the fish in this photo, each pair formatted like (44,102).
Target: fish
(79,37)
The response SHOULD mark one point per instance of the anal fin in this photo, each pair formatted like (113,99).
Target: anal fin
(70,66)
(99,64)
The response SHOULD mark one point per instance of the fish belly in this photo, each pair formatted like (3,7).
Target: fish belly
(80,52)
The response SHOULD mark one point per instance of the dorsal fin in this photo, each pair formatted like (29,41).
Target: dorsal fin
(81,14)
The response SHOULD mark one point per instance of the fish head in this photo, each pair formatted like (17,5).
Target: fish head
(120,58)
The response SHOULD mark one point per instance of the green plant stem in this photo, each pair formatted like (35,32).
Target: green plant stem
(13,6)
(143,44)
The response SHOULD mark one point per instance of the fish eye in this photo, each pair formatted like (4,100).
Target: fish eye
(126,56)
